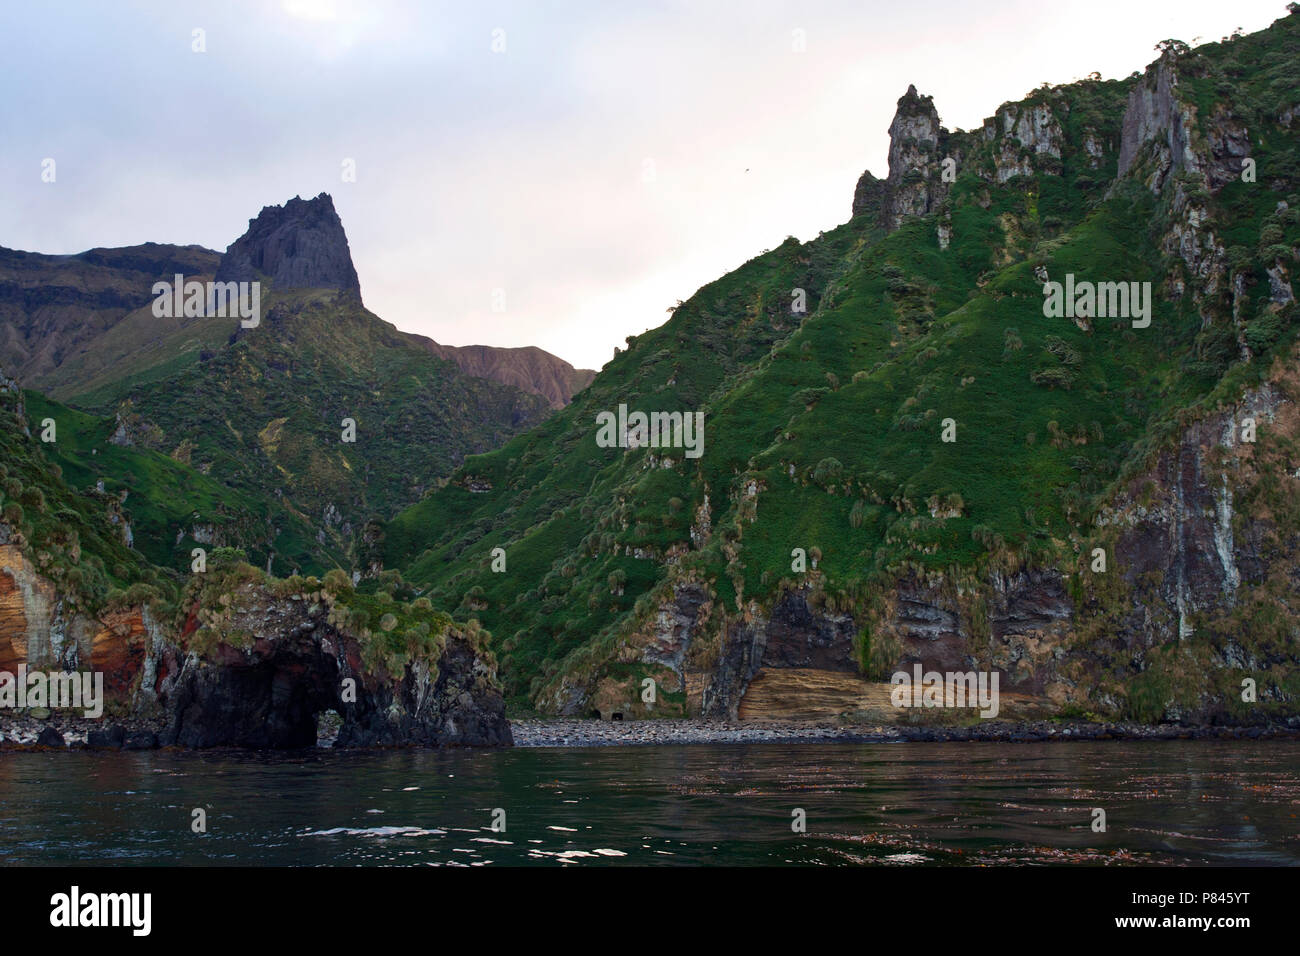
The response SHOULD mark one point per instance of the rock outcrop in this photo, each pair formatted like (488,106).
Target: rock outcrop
(1019,140)
(37,630)
(869,196)
(1158,117)
(264,691)
(1026,137)
(1162,134)
(300,245)
(793,636)
(1184,549)
(284,661)
(914,186)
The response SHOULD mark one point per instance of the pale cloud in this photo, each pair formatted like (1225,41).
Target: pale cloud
(312,9)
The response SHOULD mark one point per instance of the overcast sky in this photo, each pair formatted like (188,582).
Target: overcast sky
(523,170)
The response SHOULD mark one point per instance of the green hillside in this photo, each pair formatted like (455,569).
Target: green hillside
(824,430)
(264,416)
(285,438)
(169,502)
(77,540)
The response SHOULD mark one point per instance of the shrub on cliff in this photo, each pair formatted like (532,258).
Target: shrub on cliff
(224,557)
(336,580)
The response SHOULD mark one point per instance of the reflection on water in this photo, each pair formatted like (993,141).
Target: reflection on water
(889,804)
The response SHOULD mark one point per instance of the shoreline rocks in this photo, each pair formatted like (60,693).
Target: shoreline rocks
(25,733)
(596,733)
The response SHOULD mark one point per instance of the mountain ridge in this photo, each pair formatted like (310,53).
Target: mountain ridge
(71,324)
(831,515)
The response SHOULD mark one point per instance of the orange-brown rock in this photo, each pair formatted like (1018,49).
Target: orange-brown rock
(528,368)
(26,602)
(118,649)
(35,632)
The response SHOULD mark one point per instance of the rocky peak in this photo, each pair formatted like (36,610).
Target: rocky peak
(913,135)
(300,245)
(914,185)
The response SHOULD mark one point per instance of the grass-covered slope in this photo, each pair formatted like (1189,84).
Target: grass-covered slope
(170,506)
(824,431)
(75,539)
(67,322)
(101,543)
(561,506)
(264,416)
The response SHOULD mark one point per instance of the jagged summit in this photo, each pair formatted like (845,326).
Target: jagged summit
(300,245)
(1020,139)
(914,139)
(912,187)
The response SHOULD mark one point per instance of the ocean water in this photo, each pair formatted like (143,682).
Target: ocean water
(903,804)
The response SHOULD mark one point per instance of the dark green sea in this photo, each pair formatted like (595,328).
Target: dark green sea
(909,804)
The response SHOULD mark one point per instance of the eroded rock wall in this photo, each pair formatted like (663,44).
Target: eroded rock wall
(266,690)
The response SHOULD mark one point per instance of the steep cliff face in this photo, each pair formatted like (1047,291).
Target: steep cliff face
(1196,546)
(1163,146)
(28,630)
(1162,133)
(1185,570)
(1206,541)
(1019,623)
(264,671)
(57,549)
(792,636)
(37,630)
(1159,120)
(1175,523)
(300,245)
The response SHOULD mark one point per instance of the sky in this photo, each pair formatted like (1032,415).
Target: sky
(539,173)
